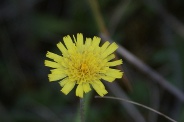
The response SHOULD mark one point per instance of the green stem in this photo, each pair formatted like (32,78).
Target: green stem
(82,109)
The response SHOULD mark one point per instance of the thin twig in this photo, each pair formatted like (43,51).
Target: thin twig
(131,110)
(138,104)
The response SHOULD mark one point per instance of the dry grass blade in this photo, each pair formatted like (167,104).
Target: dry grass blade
(138,104)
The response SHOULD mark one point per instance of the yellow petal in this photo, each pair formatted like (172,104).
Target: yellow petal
(114,63)
(62,48)
(91,48)
(74,39)
(63,82)
(79,39)
(114,73)
(79,91)
(108,78)
(68,87)
(68,42)
(52,64)
(104,46)
(57,71)
(65,62)
(110,50)
(98,89)
(96,41)
(100,83)
(54,56)
(86,87)
(110,57)
(103,71)
(88,42)
(54,77)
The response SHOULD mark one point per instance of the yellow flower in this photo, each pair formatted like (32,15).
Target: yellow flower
(84,64)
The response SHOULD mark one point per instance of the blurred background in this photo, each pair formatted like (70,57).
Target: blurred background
(153,31)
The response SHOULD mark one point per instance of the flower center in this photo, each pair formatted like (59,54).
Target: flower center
(84,68)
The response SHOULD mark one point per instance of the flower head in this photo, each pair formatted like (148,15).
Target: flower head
(84,64)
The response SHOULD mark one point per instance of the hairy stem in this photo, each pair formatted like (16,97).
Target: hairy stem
(82,109)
